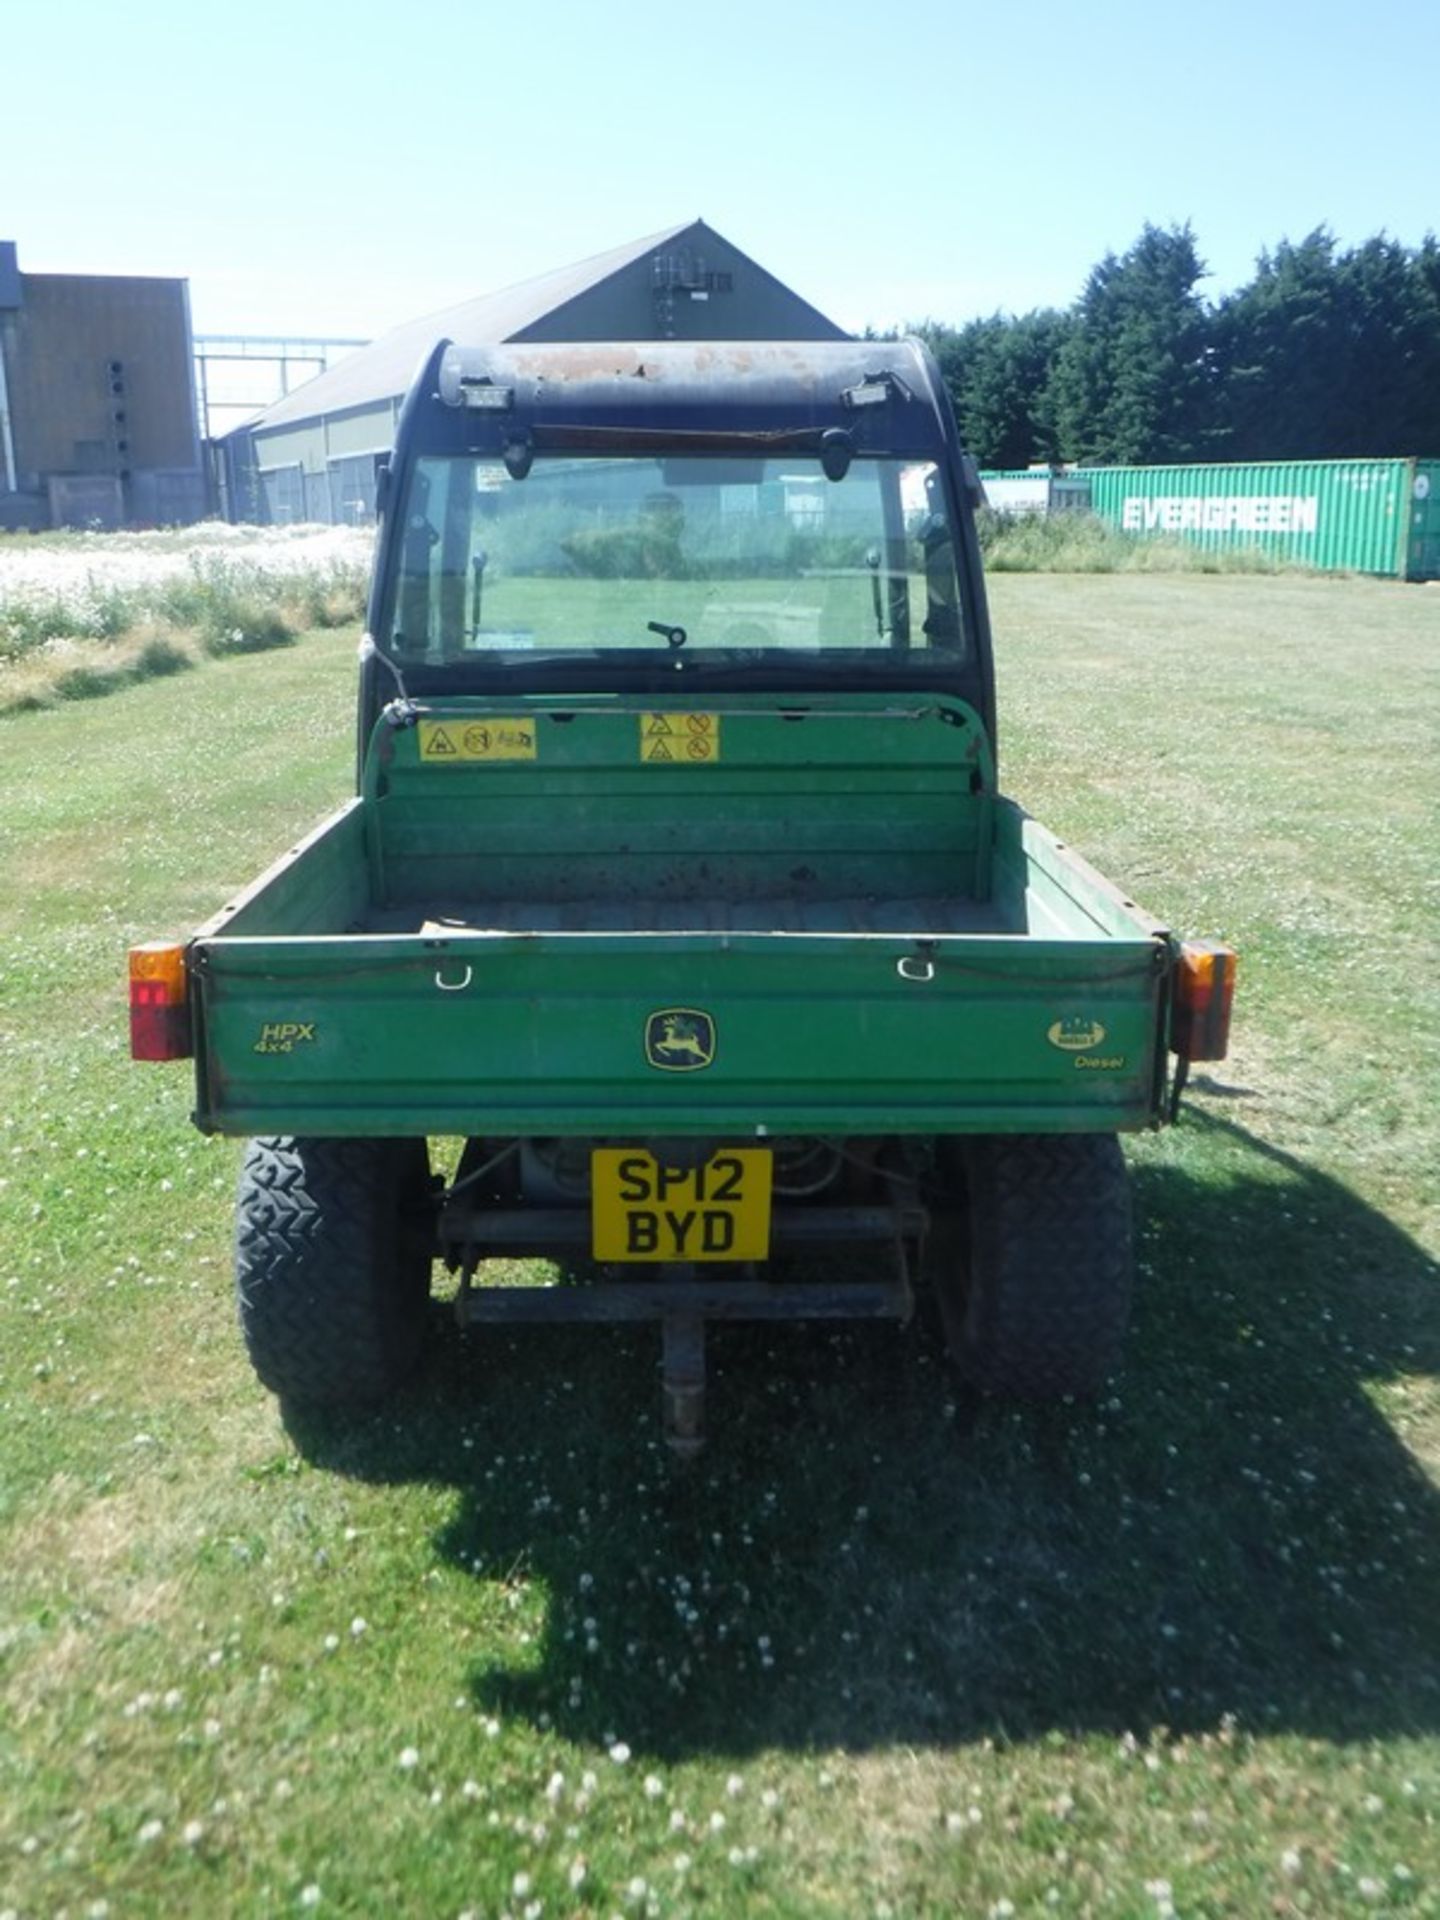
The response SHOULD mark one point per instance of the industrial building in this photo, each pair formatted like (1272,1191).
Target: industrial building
(97,401)
(313,455)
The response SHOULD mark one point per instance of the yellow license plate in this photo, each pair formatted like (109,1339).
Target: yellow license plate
(643,1211)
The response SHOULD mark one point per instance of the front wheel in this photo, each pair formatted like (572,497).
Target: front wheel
(332,1264)
(1032,1260)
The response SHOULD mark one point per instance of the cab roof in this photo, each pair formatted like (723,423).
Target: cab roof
(885,395)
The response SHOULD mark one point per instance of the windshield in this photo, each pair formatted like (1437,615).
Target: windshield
(696,559)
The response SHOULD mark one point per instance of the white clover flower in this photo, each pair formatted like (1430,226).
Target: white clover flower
(151,1830)
(409,1757)
(193,1832)
(358,1627)
(520,1886)
(619,1753)
(734,1785)
(654,1786)
(576,1875)
(310,1896)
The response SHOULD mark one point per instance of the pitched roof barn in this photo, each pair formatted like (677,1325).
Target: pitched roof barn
(683,284)
(312,454)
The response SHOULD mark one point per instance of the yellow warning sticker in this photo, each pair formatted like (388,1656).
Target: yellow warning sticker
(490,739)
(679,739)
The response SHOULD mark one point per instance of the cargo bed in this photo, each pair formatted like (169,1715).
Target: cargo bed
(478,950)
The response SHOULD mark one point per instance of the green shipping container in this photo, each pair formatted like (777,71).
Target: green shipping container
(1357,516)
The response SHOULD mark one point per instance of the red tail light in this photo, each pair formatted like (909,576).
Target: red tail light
(1204,991)
(159,1003)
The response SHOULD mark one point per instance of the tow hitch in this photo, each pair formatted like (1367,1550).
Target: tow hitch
(681,1297)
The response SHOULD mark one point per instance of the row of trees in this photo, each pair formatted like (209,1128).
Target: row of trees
(1325,353)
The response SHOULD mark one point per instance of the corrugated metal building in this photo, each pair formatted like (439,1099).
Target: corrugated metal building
(97,401)
(313,455)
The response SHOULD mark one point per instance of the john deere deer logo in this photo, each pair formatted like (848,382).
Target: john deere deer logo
(678,1039)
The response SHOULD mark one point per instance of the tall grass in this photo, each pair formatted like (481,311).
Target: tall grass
(1083,543)
(68,643)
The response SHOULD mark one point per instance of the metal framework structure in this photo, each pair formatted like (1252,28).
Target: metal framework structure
(281,351)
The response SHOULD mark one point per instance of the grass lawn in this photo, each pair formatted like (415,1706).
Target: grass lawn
(881,1651)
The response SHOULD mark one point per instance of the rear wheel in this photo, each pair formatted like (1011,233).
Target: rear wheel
(332,1264)
(1032,1262)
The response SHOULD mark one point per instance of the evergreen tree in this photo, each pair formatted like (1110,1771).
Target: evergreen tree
(1323,354)
(1326,354)
(1275,354)
(996,370)
(1002,404)
(1132,382)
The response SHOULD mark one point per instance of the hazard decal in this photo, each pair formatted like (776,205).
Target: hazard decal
(470,740)
(679,739)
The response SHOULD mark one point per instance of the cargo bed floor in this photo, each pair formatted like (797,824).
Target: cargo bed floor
(786,915)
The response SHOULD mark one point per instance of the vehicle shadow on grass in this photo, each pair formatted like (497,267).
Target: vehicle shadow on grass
(862,1557)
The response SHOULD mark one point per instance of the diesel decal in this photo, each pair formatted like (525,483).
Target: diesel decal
(1094,1064)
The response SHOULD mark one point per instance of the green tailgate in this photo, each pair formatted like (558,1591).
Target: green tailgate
(546,1033)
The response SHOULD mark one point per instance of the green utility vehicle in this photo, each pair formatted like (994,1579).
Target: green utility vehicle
(679,888)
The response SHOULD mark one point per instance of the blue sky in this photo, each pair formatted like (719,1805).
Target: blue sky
(327,169)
